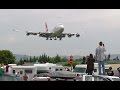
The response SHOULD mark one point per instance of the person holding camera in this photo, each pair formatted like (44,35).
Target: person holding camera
(100,57)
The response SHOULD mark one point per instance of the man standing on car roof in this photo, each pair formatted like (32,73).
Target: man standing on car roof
(100,57)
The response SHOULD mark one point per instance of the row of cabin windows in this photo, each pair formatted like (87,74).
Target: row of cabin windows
(21,72)
(58,69)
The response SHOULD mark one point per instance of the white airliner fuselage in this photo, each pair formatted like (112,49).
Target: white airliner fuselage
(56,33)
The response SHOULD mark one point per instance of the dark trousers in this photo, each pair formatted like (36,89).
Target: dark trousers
(90,72)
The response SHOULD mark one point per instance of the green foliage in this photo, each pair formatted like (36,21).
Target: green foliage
(6,57)
(113,62)
(21,62)
(69,65)
(34,59)
(57,59)
(44,58)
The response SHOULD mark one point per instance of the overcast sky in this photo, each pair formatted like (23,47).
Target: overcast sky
(94,25)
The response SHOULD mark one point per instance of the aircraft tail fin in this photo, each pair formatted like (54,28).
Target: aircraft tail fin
(46,27)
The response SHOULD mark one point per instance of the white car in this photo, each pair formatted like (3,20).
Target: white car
(112,78)
(100,78)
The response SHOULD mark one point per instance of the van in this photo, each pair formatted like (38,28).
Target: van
(83,67)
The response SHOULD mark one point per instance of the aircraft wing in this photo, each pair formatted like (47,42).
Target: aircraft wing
(53,35)
(71,34)
(31,33)
(45,34)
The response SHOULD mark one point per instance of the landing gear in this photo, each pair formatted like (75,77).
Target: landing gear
(77,35)
(55,38)
(46,38)
(60,39)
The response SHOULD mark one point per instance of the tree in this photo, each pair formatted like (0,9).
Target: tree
(34,59)
(39,59)
(7,57)
(48,59)
(84,60)
(57,59)
(30,59)
(21,62)
(64,59)
(108,57)
(68,64)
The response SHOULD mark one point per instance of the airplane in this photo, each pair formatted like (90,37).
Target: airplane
(57,32)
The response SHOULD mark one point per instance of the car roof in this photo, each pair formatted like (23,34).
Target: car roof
(41,77)
(9,75)
(112,76)
(106,76)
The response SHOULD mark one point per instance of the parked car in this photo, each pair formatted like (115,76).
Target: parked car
(100,78)
(7,77)
(108,78)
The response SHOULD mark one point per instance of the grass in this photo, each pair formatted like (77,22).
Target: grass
(113,62)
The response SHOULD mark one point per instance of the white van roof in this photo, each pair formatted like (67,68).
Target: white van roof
(23,67)
(95,65)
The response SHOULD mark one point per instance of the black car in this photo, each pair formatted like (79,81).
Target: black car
(10,78)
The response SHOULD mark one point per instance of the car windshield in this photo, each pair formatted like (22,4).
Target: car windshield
(80,70)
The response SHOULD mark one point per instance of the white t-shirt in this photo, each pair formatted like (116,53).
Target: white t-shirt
(100,56)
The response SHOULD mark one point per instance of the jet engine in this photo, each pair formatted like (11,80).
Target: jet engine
(77,35)
(69,35)
(27,34)
(41,35)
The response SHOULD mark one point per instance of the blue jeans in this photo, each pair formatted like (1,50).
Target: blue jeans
(101,67)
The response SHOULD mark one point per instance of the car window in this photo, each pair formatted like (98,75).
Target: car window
(42,71)
(21,72)
(81,70)
(28,71)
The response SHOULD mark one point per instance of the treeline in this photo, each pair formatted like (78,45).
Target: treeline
(42,59)
(7,57)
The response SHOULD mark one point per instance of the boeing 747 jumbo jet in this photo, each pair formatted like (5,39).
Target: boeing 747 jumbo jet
(56,33)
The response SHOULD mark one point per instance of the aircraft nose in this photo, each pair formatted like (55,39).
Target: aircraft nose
(62,27)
